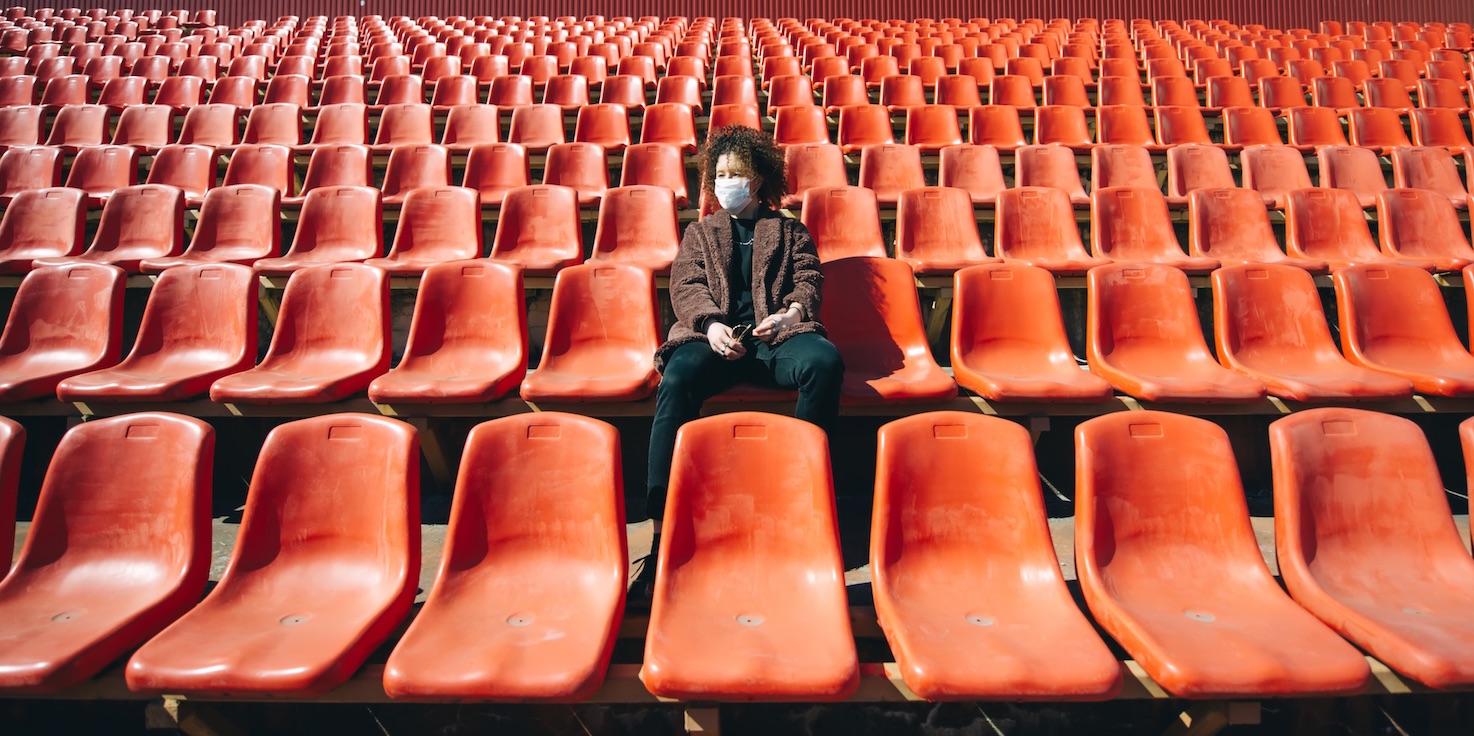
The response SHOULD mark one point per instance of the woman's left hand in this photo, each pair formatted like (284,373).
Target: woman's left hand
(776,323)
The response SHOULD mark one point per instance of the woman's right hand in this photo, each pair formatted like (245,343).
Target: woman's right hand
(719,337)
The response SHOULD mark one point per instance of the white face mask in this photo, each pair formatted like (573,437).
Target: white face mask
(733,194)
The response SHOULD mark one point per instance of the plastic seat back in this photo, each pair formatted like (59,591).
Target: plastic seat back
(118,548)
(65,320)
(936,230)
(1196,166)
(558,467)
(890,169)
(881,337)
(414,167)
(1422,225)
(603,326)
(30,167)
(493,169)
(1314,127)
(1135,529)
(974,169)
(338,165)
(864,125)
(342,124)
(1061,124)
(436,224)
(638,224)
(995,125)
(470,125)
(1328,224)
(539,229)
(1429,168)
(726,566)
(669,122)
(1133,225)
(265,165)
(101,170)
(1050,166)
(1035,225)
(41,223)
(1354,169)
(1376,127)
(79,125)
(844,221)
(604,124)
(190,168)
(138,222)
(1232,226)
(467,339)
(1122,166)
(339,223)
(275,123)
(800,125)
(144,126)
(330,541)
(656,164)
(237,224)
(583,167)
(20,125)
(210,125)
(1393,319)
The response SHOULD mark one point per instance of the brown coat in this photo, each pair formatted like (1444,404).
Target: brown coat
(785,270)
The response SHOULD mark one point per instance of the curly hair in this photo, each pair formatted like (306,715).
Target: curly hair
(754,148)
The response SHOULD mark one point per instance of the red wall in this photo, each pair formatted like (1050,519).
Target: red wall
(1281,14)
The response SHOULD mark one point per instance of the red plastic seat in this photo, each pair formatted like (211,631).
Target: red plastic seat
(138,222)
(264,165)
(889,170)
(1166,573)
(400,89)
(932,127)
(289,89)
(66,91)
(436,224)
(404,125)
(1422,225)
(1443,93)
(1122,166)
(336,125)
(210,125)
(1328,224)
(1196,166)
(237,224)
(1393,320)
(872,315)
(960,91)
(995,125)
(900,92)
(1142,335)
(1354,169)
(470,125)
(1008,337)
(238,92)
(455,91)
(582,167)
(976,170)
(41,223)
(1132,225)
(342,90)
(730,90)
(467,340)
(1377,128)
(341,165)
(337,224)
(77,126)
(1062,124)
(567,91)
(534,637)
(1274,171)
(1011,90)
(17,90)
(844,221)
(606,125)
(539,229)
(1387,93)
(1119,91)
(1229,91)
(1232,226)
(65,320)
(841,91)
(276,123)
(864,125)
(952,489)
(1050,166)
(494,169)
(656,164)
(414,167)
(1440,127)
(189,168)
(199,325)
(603,326)
(20,125)
(1174,92)
(146,127)
(638,224)
(325,566)
(1338,93)
(1268,324)
(672,123)
(100,171)
(1035,226)
(1432,169)
(1313,128)
(801,125)
(1125,125)
(936,231)
(763,616)
(24,168)
(119,547)
(624,90)
(1334,538)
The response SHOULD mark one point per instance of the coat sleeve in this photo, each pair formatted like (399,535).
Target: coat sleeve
(808,280)
(690,292)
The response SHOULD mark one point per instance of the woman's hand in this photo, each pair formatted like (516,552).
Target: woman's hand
(719,337)
(776,323)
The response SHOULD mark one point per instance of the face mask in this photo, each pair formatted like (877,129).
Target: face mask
(733,194)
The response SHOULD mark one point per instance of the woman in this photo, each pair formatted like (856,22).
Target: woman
(745,287)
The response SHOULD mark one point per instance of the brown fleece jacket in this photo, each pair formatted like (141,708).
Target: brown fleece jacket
(785,270)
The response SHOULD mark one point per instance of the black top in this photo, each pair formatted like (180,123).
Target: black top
(742,234)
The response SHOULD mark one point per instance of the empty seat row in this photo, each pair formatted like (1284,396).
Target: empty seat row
(330,574)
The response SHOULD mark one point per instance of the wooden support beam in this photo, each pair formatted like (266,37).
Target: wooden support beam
(704,721)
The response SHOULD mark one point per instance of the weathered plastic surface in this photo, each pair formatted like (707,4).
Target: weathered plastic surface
(1422,225)
(467,339)
(976,169)
(436,225)
(519,613)
(414,167)
(582,167)
(603,329)
(1328,224)
(749,591)
(638,224)
(1122,166)
(1035,226)
(1393,319)
(332,338)
(671,123)
(1355,169)
(863,125)
(337,224)
(1232,226)
(237,224)
(119,547)
(191,168)
(1268,324)
(937,232)
(1378,128)
(1008,338)
(844,221)
(1365,541)
(967,585)
(1050,166)
(23,168)
(656,164)
(41,223)
(1132,225)
(323,570)
(1062,124)
(494,169)
(100,171)
(539,229)
(890,169)
(1275,171)
(1312,128)
(1432,169)
(1191,167)
(269,166)
(1142,335)
(872,315)
(338,165)
(1175,577)
(65,320)
(12,445)
(995,125)
(199,325)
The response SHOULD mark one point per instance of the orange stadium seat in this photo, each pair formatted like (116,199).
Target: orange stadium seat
(1393,319)
(99,171)
(1422,225)
(337,224)
(20,126)
(403,125)
(936,231)
(1133,225)
(638,224)
(889,169)
(1354,169)
(436,224)
(1328,225)
(1432,169)
(41,223)
(1122,166)
(873,317)
(48,337)
(1008,338)
(413,167)
(494,169)
(531,636)
(146,127)
(1051,166)
(326,562)
(470,125)
(1034,226)
(1333,538)
(656,164)
(263,165)
(784,578)
(1195,166)
(974,169)
(199,325)
(119,547)
(190,168)
(1219,581)
(844,221)
(1232,226)
(24,168)
(539,229)
(586,357)
(138,222)
(467,339)
(213,125)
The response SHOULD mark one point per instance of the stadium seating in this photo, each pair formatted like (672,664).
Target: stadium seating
(872,316)
(337,224)
(1133,225)
(844,221)
(1373,302)
(1232,226)
(603,327)
(539,229)
(1327,225)
(41,223)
